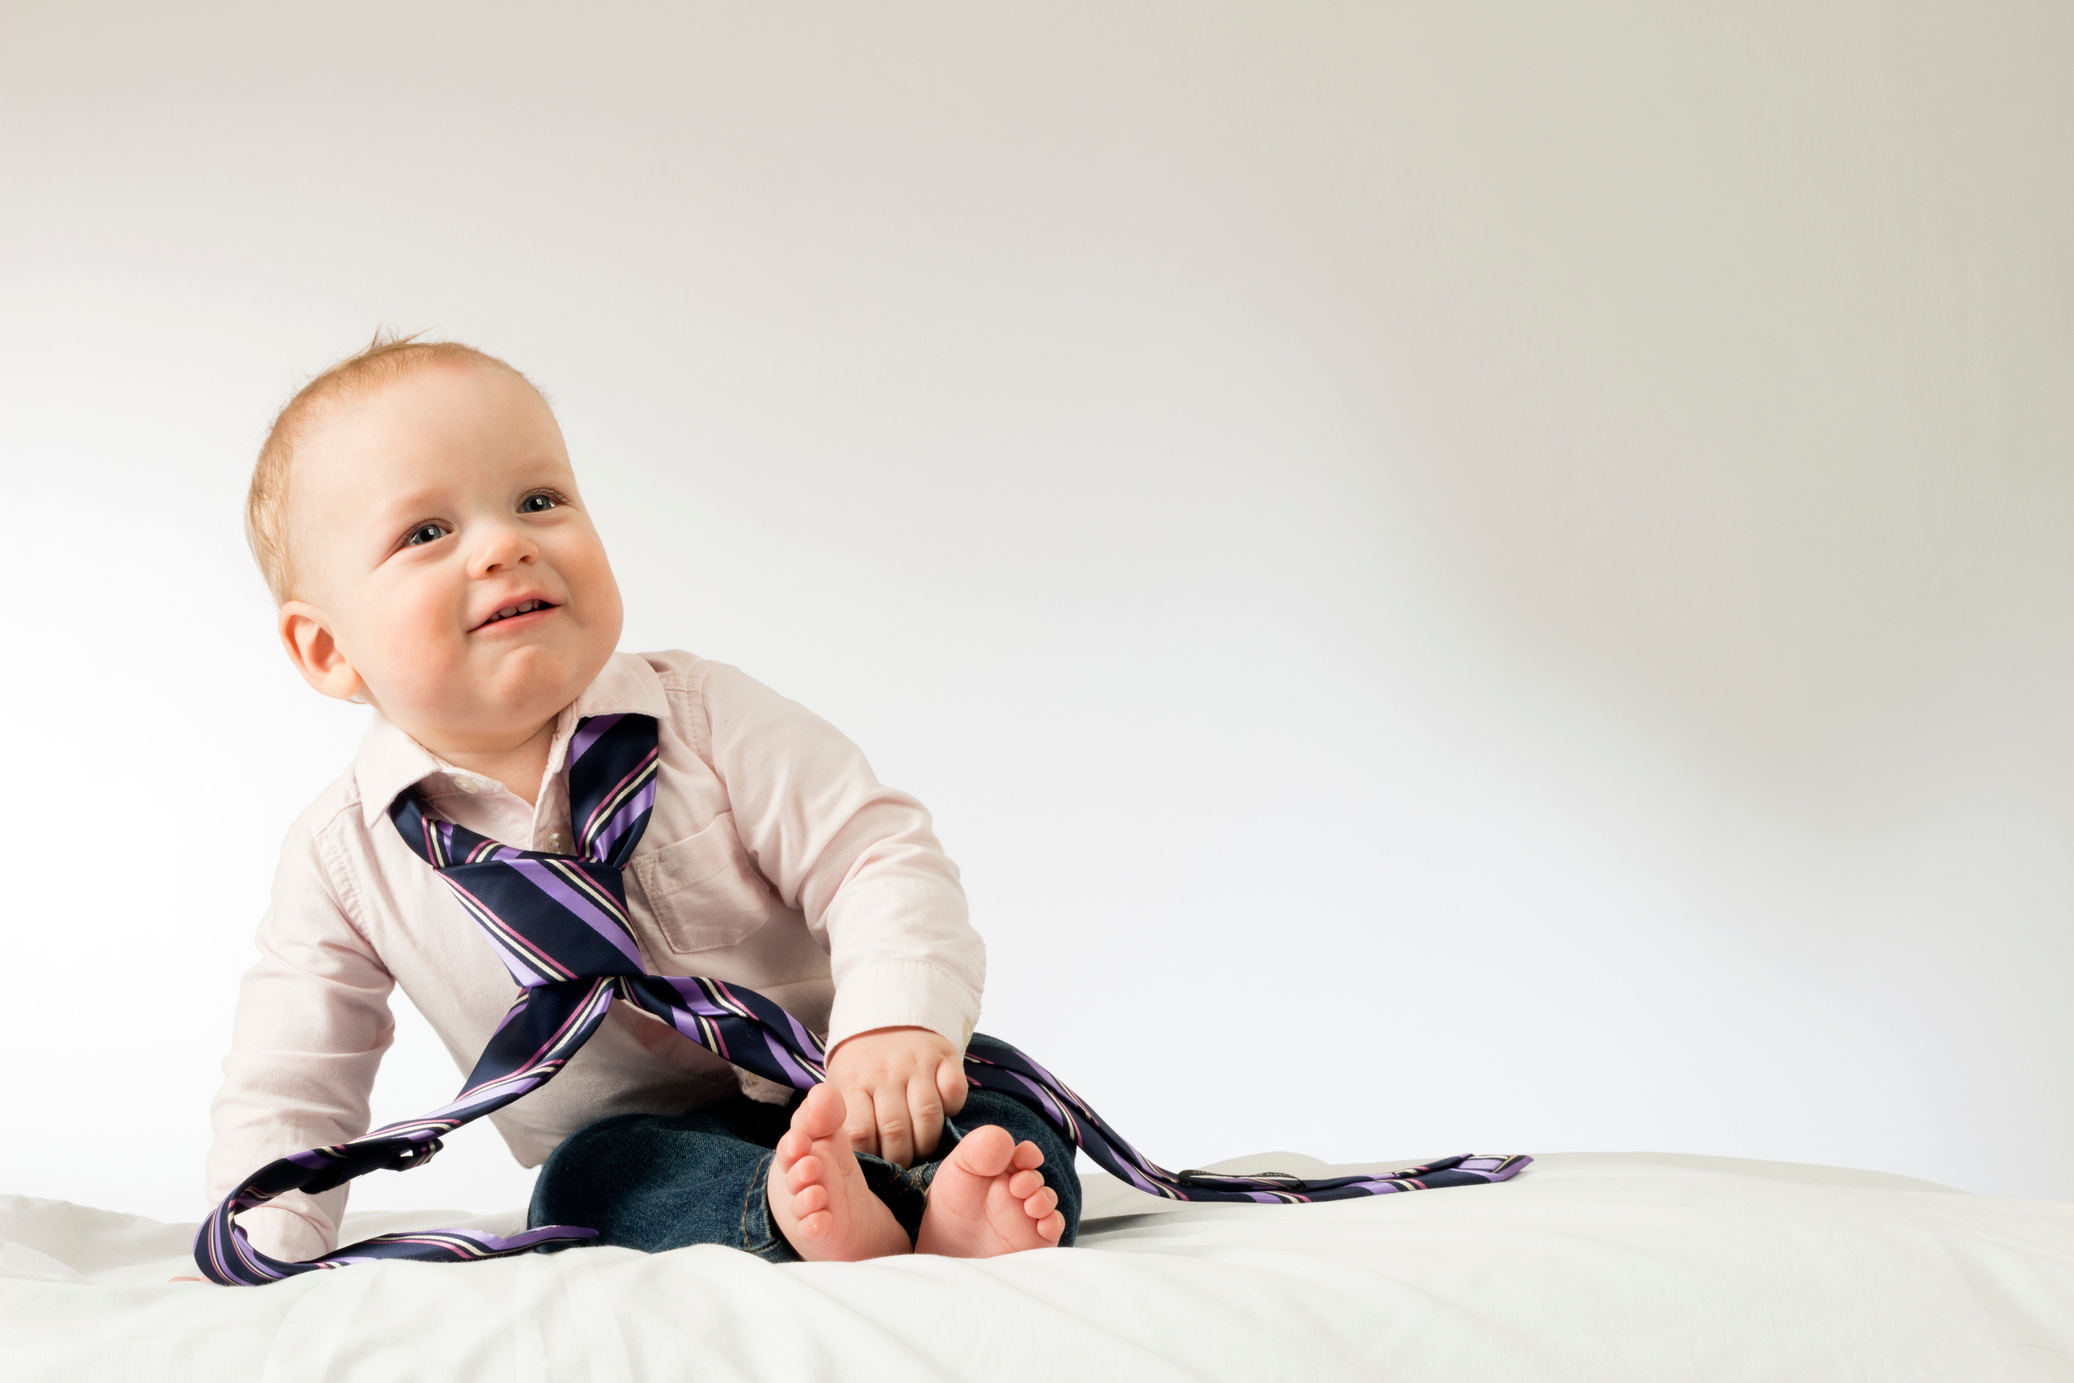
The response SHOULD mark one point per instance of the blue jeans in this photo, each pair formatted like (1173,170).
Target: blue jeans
(662,1181)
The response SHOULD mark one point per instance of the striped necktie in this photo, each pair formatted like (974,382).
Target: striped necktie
(560,925)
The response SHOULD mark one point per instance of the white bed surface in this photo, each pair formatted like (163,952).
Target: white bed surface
(1596,1267)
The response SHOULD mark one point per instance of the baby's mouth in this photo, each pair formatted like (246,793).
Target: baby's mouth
(524,607)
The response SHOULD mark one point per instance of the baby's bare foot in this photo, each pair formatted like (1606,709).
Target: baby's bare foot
(817,1192)
(989,1198)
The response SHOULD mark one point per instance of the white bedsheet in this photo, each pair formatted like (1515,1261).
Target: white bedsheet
(1588,1266)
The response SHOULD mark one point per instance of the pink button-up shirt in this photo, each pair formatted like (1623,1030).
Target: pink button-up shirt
(774,859)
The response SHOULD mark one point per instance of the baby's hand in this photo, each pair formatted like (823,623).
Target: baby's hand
(898,1083)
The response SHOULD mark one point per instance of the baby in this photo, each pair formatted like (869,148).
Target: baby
(418,521)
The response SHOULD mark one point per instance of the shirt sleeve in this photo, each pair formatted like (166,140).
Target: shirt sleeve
(312,1023)
(856,857)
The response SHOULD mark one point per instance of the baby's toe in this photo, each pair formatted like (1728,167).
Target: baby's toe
(1027,1156)
(1053,1228)
(805,1172)
(985,1152)
(820,1115)
(1024,1184)
(1041,1204)
(810,1201)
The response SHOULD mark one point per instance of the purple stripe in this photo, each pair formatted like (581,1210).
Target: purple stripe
(532,1078)
(689,1025)
(1141,1181)
(525,976)
(588,734)
(481,1243)
(622,820)
(800,1079)
(514,1011)
(806,1040)
(1041,1093)
(576,1018)
(580,907)
(507,942)
(646,767)
(695,997)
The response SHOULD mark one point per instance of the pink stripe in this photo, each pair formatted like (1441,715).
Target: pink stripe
(504,929)
(588,734)
(580,907)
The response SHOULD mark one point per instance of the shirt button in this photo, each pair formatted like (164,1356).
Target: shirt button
(465,784)
(557,842)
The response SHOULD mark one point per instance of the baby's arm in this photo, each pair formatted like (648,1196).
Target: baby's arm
(860,860)
(312,1024)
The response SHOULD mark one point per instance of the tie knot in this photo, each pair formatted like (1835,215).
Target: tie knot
(554,917)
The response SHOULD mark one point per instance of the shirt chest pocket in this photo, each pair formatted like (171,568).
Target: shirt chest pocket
(705,892)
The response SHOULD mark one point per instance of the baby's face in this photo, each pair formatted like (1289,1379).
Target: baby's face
(442,547)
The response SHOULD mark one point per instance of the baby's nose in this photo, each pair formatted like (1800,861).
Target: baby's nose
(503,549)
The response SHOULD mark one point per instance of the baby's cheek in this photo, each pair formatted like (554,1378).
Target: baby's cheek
(419,646)
(593,589)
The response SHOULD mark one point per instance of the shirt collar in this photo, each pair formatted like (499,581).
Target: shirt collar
(388,760)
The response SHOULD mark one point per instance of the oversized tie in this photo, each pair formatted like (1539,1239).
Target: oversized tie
(560,925)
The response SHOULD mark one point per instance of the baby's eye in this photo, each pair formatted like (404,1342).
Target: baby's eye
(539,502)
(424,533)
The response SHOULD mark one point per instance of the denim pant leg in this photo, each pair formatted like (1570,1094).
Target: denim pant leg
(656,1182)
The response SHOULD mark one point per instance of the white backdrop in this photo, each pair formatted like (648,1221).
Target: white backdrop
(1457,576)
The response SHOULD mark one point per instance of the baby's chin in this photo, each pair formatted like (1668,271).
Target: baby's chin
(552,659)
(498,687)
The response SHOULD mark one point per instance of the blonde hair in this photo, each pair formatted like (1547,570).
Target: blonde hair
(385,360)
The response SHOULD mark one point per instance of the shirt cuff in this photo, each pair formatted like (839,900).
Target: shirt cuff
(901,994)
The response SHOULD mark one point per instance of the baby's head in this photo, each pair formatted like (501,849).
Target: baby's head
(418,522)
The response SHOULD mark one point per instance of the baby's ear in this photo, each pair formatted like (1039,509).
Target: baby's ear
(306,634)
